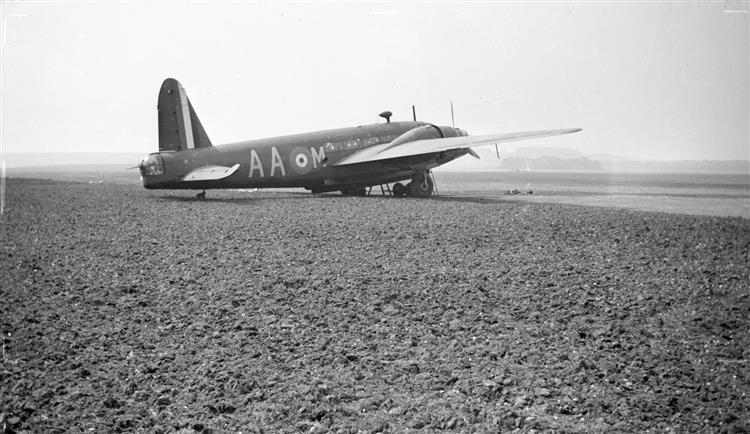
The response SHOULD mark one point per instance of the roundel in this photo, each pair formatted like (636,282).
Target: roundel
(301,160)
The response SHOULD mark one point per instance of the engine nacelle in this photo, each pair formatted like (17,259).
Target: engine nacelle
(422,132)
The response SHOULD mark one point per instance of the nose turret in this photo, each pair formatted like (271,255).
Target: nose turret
(151,165)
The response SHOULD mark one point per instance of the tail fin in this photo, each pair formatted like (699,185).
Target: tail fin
(179,126)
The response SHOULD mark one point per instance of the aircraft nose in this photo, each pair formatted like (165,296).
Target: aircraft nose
(151,165)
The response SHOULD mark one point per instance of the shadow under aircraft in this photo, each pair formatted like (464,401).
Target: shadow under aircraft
(347,159)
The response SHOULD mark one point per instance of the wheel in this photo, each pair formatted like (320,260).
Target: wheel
(421,185)
(399,190)
(354,191)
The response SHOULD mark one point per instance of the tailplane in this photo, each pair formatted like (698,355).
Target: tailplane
(179,126)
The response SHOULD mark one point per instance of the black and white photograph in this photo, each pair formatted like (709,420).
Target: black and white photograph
(375,217)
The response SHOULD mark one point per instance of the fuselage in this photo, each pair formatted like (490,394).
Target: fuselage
(302,160)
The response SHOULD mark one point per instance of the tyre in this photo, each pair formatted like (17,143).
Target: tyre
(421,185)
(399,190)
(354,191)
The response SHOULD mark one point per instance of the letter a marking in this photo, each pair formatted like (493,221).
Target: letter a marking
(276,162)
(255,164)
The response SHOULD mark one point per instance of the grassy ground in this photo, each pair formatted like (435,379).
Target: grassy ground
(124,309)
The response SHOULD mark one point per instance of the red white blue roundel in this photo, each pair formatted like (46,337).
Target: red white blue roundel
(301,160)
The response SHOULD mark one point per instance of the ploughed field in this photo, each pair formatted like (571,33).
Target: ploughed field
(124,309)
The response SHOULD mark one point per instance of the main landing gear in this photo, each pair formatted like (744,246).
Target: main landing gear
(354,191)
(421,185)
(201,195)
(399,190)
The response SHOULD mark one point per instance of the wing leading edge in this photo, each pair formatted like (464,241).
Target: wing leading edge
(426,146)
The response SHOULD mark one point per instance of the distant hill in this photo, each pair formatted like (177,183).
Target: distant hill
(688,166)
(526,159)
(564,159)
(580,164)
(540,152)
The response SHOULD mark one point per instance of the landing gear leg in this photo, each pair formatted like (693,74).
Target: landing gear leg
(201,195)
(421,185)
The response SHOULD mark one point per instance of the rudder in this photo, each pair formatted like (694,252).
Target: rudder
(179,126)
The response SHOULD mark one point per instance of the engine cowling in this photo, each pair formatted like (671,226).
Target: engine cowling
(421,132)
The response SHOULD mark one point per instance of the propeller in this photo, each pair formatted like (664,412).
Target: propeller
(453,124)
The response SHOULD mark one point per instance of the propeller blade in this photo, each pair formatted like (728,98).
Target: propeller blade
(453,121)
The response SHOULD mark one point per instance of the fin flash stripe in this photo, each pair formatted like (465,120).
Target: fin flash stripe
(188,127)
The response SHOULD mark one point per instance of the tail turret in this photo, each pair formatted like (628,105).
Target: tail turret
(179,126)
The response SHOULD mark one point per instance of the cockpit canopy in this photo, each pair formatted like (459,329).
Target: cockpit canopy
(151,165)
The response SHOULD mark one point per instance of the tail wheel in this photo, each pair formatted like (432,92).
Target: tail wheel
(421,185)
(399,190)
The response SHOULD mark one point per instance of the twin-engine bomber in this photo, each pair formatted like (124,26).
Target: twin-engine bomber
(346,159)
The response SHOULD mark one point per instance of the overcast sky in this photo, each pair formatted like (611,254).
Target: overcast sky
(646,80)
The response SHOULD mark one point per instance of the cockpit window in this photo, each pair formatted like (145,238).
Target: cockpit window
(151,165)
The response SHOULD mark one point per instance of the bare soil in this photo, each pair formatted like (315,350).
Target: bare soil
(129,310)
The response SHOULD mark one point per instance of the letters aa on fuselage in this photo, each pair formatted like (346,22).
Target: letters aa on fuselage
(302,160)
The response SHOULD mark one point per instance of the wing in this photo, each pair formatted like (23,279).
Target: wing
(210,173)
(417,147)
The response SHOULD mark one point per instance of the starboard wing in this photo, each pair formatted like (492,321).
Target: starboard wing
(210,173)
(418,147)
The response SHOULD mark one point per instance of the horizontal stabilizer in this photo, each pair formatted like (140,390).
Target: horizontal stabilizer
(427,146)
(210,173)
